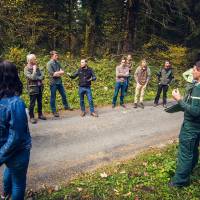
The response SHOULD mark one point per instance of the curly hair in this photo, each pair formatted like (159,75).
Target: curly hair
(10,84)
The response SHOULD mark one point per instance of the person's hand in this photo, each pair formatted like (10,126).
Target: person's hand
(34,68)
(176,95)
(89,79)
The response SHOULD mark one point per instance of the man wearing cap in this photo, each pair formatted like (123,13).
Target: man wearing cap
(189,137)
(55,73)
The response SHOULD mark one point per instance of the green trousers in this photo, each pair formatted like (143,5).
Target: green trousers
(188,153)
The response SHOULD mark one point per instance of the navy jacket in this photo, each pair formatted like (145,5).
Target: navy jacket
(14,130)
(86,75)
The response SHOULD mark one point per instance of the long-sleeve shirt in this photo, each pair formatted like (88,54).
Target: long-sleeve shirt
(142,75)
(191,107)
(122,72)
(165,76)
(54,66)
(187,75)
(86,75)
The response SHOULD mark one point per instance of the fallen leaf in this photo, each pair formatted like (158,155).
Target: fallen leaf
(103,175)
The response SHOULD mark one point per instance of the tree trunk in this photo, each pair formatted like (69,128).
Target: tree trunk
(131,25)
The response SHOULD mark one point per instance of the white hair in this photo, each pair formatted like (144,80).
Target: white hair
(29,57)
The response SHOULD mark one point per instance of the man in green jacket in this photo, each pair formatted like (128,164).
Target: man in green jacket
(190,132)
(34,78)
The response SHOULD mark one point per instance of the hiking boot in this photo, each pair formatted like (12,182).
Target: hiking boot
(113,105)
(122,105)
(135,105)
(94,114)
(42,117)
(173,185)
(33,120)
(55,114)
(83,114)
(68,108)
(141,105)
(164,106)
(155,104)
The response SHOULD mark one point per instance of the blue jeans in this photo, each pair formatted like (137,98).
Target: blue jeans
(61,90)
(127,84)
(119,86)
(14,175)
(88,92)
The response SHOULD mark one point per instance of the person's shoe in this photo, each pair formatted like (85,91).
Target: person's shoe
(173,185)
(164,105)
(113,105)
(55,114)
(141,105)
(155,104)
(69,108)
(94,114)
(5,196)
(122,105)
(135,105)
(83,114)
(33,120)
(42,117)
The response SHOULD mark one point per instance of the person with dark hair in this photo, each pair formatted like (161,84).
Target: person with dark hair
(35,86)
(56,72)
(85,75)
(122,73)
(15,139)
(188,153)
(165,77)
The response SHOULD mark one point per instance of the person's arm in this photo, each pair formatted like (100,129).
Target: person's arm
(136,74)
(17,126)
(29,75)
(159,75)
(74,75)
(193,108)
(41,77)
(51,71)
(93,78)
(171,77)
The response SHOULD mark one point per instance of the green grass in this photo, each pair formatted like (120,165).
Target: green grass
(145,177)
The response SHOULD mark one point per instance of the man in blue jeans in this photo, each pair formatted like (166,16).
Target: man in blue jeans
(86,75)
(122,73)
(56,72)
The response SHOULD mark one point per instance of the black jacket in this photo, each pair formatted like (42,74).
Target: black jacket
(165,76)
(86,75)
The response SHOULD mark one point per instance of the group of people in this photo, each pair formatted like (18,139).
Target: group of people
(15,139)
(142,77)
(35,85)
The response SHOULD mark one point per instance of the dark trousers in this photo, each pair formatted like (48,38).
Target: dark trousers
(188,154)
(33,99)
(61,90)
(88,92)
(119,86)
(161,88)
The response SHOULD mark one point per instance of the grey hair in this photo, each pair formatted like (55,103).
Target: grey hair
(29,57)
